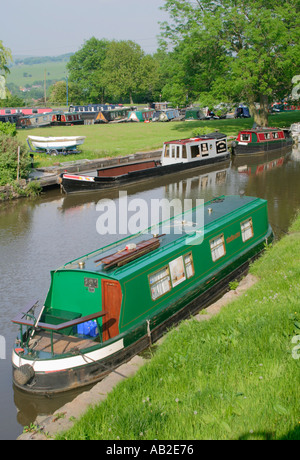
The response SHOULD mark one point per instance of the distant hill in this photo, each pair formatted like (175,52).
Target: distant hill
(30,70)
(28,73)
(33,60)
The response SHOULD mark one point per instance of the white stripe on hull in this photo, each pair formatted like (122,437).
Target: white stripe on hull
(60,364)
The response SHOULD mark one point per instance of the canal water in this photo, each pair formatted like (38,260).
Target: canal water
(41,234)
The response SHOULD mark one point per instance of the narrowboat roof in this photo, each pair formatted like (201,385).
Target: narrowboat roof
(260,130)
(169,235)
(204,137)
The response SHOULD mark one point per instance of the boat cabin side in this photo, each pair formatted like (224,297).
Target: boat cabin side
(251,136)
(193,149)
(165,279)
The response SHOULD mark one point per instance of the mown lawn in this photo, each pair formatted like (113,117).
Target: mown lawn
(235,376)
(128,138)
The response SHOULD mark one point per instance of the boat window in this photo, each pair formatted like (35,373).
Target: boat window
(204,150)
(167,151)
(268,136)
(184,153)
(275,135)
(160,283)
(174,151)
(247,229)
(189,265)
(195,151)
(245,137)
(217,246)
(177,271)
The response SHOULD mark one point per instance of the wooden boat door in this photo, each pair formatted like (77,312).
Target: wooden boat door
(111,302)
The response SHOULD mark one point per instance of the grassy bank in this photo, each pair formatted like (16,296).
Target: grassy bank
(128,138)
(235,376)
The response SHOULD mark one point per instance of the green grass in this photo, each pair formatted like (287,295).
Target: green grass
(128,138)
(232,377)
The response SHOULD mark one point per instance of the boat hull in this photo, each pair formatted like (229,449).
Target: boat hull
(82,369)
(74,183)
(260,147)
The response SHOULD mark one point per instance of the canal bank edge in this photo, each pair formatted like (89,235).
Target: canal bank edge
(48,177)
(47,427)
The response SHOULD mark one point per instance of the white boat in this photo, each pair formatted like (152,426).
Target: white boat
(56,143)
(177,156)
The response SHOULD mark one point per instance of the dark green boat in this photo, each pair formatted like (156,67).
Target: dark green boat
(107,306)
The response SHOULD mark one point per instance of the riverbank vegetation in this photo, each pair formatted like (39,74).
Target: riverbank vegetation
(110,140)
(14,165)
(235,376)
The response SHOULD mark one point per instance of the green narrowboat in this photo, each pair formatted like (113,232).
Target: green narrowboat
(261,140)
(144,115)
(107,306)
(194,114)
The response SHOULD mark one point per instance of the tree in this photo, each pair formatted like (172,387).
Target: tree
(5,59)
(58,93)
(127,70)
(86,70)
(255,41)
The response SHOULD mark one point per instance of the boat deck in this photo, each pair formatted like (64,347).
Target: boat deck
(62,344)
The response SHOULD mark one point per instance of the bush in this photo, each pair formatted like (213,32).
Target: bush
(8,128)
(9,159)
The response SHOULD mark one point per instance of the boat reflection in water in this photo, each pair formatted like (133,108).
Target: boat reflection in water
(190,181)
(296,153)
(30,407)
(258,164)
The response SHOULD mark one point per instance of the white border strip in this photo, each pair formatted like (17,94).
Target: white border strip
(60,364)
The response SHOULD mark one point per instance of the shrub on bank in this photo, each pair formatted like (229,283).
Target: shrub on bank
(9,159)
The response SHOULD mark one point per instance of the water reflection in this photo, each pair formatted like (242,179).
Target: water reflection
(41,234)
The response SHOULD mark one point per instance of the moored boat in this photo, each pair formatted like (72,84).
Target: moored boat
(24,110)
(176,156)
(140,115)
(37,120)
(66,119)
(261,140)
(107,306)
(166,115)
(55,144)
(116,115)
(194,113)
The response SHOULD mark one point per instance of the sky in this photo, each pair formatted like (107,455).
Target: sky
(51,28)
